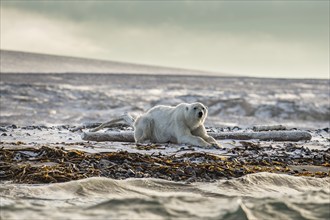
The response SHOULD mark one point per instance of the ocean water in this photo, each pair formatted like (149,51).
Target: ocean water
(255,196)
(52,99)
(75,99)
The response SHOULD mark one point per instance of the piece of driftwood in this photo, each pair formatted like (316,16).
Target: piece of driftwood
(128,136)
(123,136)
(269,128)
(126,119)
(87,125)
(264,135)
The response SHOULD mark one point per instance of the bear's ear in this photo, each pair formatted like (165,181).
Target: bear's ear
(187,108)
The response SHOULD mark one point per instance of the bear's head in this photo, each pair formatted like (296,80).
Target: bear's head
(196,113)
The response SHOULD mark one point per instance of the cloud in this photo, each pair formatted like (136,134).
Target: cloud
(26,31)
(277,18)
(256,41)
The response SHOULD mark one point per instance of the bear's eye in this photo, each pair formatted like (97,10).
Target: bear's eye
(195,108)
(203,109)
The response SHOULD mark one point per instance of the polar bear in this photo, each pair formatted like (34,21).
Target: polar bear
(183,124)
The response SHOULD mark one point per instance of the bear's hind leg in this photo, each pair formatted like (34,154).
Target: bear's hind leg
(143,129)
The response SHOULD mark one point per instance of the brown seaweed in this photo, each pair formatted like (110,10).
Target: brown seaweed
(54,164)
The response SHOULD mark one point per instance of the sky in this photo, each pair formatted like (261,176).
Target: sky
(286,39)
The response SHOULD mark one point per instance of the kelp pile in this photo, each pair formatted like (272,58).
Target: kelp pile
(55,164)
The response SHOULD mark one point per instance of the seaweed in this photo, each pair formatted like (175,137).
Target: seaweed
(55,164)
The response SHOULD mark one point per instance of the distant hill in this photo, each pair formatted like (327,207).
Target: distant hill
(24,62)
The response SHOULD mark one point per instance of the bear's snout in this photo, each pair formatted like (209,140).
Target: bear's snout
(200,114)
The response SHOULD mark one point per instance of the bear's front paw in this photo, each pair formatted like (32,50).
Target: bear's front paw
(215,145)
(205,145)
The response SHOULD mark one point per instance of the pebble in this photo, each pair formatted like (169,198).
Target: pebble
(191,180)
(138,174)
(146,175)
(121,170)
(189,171)
(130,172)
(180,172)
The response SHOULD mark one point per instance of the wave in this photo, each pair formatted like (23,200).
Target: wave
(254,196)
(57,99)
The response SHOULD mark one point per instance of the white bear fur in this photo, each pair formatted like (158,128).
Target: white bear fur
(182,124)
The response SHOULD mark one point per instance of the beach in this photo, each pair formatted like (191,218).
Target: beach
(47,169)
(164,110)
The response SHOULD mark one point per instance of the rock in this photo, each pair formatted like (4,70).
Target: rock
(180,172)
(236,128)
(130,172)
(3,130)
(189,171)
(139,169)
(121,170)
(191,179)
(139,174)
(104,163)
(146,175)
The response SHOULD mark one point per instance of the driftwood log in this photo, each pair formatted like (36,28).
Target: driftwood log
(269,128)
(128,136)
(262,133)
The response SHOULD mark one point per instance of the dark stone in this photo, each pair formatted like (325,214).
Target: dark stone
(189,171)
(3,129)
(130,172)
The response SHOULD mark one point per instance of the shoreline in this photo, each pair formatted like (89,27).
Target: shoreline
(164,75)
(41,154)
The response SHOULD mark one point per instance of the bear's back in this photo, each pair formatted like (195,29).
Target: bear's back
(164,122)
